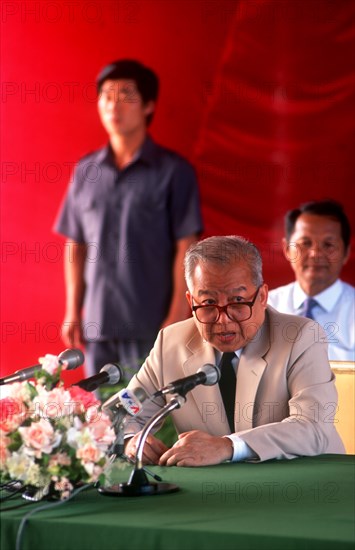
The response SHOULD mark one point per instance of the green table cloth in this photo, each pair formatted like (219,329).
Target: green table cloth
(305,503)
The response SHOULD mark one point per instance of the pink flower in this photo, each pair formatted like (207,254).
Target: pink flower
(12,414)
(52,404)
(89,453)
(83,400)
(102,430)
(64,486)
(59,459)
(40,437)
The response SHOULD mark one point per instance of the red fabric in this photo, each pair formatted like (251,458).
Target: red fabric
(279,122)
(259,94)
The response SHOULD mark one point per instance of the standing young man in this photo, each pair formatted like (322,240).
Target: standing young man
(129,215)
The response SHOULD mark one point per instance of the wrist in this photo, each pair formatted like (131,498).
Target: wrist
(229,448)
(241,450)
(72,316)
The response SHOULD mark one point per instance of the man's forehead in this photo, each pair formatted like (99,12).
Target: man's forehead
(228,277)
(233,291)
(315,222)
(114,84)
(240,266)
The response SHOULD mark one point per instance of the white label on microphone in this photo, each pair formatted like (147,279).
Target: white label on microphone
(130,402)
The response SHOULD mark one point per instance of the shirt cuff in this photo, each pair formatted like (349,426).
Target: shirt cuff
(241,451)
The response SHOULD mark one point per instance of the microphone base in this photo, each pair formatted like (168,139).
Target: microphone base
(130,490)
(138,486)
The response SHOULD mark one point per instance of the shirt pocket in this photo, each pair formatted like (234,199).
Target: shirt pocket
(92,216)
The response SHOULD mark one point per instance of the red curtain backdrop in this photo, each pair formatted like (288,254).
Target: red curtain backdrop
(258,94)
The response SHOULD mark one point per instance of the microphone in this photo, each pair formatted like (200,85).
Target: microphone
(118,407)
(208,375)
(109,374)
(73,357)
(128,401)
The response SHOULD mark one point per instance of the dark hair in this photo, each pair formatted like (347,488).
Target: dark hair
(146,80)
(327,208)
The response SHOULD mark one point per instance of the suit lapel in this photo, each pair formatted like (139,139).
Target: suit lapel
(251,368)
(207,399)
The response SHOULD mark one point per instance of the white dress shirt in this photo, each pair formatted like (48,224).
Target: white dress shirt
(335,312)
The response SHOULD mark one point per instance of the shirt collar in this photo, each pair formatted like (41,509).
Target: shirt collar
(326,299)
(219,354)
(148,153)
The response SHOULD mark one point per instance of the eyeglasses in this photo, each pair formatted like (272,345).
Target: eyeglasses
(241,311)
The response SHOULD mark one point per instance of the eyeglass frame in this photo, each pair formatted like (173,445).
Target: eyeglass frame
(224,309)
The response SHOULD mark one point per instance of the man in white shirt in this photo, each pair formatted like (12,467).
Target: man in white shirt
(317,246)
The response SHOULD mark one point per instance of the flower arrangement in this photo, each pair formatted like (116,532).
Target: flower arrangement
(51,436)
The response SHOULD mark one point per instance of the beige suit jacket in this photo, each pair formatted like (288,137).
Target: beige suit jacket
(285,395)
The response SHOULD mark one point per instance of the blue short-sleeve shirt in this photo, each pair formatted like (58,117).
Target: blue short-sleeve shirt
(130,220)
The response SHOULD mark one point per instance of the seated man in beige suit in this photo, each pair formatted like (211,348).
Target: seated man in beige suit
(276,396)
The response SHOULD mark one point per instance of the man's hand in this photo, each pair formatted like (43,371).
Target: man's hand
(152,451)
(197,448)
(72,334)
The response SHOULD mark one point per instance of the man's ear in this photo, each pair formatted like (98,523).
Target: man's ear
(264,293)
(149,107)
(189,298)
(285,246)
(346,255)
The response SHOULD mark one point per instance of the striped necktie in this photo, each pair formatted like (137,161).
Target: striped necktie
(227,386)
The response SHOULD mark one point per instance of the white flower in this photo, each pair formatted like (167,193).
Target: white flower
(93,470)
(50,363)
(79,437)
(22,467)
(17,390)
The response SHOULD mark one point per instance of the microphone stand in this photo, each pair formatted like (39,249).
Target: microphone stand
(138,484)
(117,447)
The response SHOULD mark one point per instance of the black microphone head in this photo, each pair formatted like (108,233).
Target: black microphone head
(73,357)
(114,373)
(212,373)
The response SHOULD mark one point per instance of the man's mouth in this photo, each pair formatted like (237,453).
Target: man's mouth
(226,336)
(315,266)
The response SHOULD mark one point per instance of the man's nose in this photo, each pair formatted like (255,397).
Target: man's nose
(223,317)
(316,251)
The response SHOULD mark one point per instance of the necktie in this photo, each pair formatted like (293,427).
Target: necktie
(227,385)
(308,306)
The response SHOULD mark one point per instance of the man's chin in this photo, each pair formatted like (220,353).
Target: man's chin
(314,269)
(227,341)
